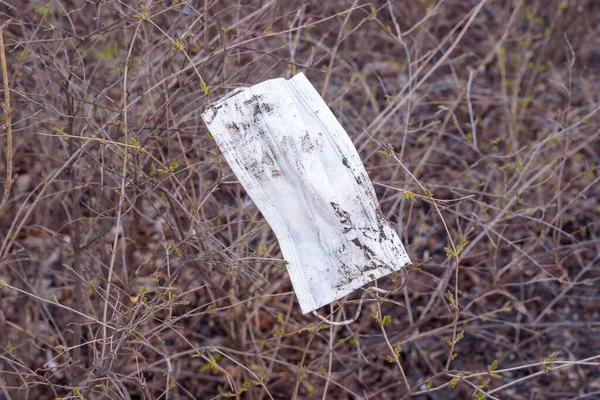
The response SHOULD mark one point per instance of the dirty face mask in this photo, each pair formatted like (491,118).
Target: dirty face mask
(302,171)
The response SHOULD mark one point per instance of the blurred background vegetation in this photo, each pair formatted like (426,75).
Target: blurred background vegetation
(133,265)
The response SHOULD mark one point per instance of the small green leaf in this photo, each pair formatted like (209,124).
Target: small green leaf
(374,314)
(41,9)
(462,242)
(450,298)
(78,394)
(386,320)
(373,15)
(278,333)
(177,44)
(553,356)
(493,366)
(408,195)
(449,252)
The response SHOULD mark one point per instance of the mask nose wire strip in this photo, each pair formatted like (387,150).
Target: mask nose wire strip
(370,290)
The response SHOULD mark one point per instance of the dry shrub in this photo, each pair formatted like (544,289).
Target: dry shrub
(134,266)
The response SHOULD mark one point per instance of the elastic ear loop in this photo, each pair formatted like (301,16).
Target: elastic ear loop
(374,290)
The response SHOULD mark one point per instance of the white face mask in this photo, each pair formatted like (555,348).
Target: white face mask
(302,171)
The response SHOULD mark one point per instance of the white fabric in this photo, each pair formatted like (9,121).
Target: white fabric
(302,171)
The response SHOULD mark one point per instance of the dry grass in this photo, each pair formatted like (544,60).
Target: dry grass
(133,266)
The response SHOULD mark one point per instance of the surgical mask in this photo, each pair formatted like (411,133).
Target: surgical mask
(302,171)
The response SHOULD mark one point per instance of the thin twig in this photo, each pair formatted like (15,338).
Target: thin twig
(335,47)
(470,104)
(121,194)
(8,124)
(367,291)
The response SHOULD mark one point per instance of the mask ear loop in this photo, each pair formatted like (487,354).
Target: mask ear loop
(373,290)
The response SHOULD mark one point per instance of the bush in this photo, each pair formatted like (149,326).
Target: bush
(133,265)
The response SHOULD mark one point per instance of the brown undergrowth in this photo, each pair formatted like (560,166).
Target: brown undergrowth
(133,265)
